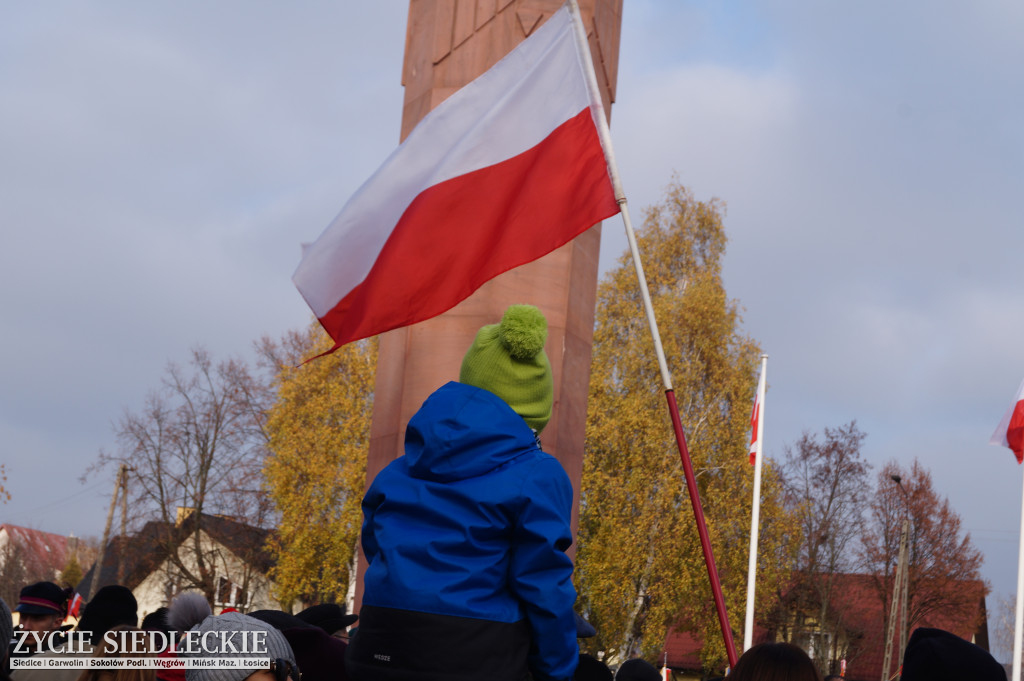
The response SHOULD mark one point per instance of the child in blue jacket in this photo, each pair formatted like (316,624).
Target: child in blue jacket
(465,535)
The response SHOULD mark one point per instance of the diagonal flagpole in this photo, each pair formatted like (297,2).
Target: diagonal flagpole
(755,514)
(597,106)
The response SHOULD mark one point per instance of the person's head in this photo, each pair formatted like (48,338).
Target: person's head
(589,668)
(112,606)
(42,607)
(330,617)
(508,359)
(6,631)
(122,641)
(318,653)
(637,670)
(938,655)
(774,662)
(156,621)
(230,632)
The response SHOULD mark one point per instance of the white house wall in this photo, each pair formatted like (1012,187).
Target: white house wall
(151,593)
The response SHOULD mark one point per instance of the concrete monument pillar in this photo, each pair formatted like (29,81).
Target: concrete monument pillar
(449,43)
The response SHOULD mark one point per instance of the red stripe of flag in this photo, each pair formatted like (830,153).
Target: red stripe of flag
(1015,431)
(1010,431)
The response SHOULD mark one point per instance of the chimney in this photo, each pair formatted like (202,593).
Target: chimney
(183,513)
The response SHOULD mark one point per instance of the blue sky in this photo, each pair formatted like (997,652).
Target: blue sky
(162,162)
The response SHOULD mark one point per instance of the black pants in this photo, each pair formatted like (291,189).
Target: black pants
(396,645)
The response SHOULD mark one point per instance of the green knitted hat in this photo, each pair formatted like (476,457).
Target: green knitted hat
(509,360)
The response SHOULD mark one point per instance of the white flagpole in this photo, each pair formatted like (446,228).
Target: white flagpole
(755,514)
(601,121)
(1019,620)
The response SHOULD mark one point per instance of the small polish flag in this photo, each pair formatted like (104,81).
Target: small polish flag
(1010,432)
(755,416)
(75,606)
(504,171)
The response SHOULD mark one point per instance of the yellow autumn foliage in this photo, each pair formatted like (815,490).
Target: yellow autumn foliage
(318,432)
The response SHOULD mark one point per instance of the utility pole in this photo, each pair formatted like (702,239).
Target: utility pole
(122,473)
(124,523)
(900,598)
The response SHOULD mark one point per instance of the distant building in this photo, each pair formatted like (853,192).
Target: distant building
(150,563)
(28,556)
(859,638)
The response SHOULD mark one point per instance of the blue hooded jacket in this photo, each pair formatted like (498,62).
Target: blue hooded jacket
(473,522)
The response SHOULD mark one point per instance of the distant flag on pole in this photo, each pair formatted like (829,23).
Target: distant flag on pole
(757,459)
(504,171)
(1010,431)
(75,606)
(755,420)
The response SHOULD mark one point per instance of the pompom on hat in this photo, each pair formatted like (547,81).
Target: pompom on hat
(508,359)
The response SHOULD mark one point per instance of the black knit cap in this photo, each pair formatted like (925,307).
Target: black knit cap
(637,670)
(590,668)
(938,655)
(111,606)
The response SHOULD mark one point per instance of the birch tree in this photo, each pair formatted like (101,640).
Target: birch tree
(640,568)
(318,432)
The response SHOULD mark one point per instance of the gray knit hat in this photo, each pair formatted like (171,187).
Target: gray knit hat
(6,629)
(235,623)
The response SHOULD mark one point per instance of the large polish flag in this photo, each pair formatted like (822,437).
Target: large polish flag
(504,171)
(1010,431)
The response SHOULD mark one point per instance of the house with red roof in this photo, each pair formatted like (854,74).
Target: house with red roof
(28,555)
(854,644)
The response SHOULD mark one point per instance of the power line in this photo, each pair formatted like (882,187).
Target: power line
(54,504)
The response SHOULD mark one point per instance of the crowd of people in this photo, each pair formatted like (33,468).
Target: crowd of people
(467,576)
(314,640)
(312,645)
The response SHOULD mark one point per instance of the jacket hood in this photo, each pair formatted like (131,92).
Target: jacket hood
(461,432)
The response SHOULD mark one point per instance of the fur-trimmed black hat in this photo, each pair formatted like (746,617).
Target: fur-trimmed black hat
(938,655)
(112,605)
